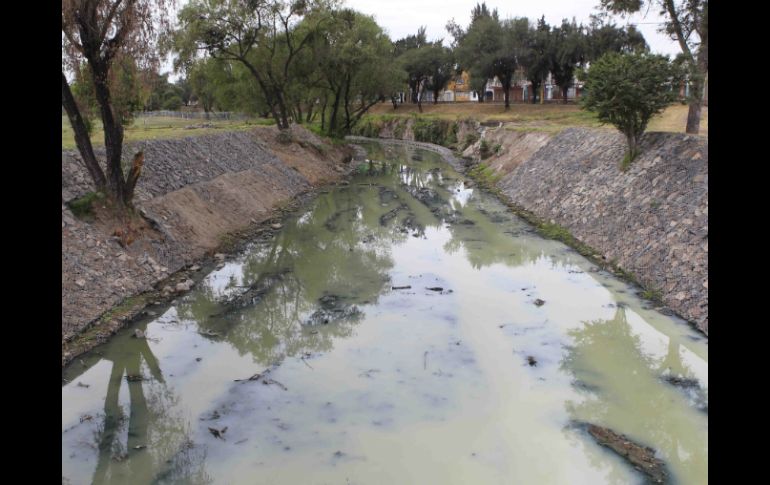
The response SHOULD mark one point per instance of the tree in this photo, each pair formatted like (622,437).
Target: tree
(442,69)
(417,64)
(475,47)
(536,56)
(512,49)
(353,56)
(99,32)
(414,56)
(684,18)
(202,83)
(627,90)
(567,52)
(184,90)
(260,34)
(603,37)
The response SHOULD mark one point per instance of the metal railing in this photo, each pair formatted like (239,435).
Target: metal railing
(192,115)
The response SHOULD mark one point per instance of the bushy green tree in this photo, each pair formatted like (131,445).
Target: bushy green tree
(567,49)
(475,47)
(536,56)
(603,37)
(353,57)
(687,24)
(262,35)
(442,69)
(627,90)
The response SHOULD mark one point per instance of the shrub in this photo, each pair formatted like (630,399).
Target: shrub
(627,90)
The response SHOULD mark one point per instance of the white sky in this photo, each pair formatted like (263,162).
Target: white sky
(403,17)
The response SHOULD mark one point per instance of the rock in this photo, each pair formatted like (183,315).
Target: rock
(276,225)
(184,285)
(195,267)
(531,361)
(539,302)
(138,333)
(219,257)
(80,282)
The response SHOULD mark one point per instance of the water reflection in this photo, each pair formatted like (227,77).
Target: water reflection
(429,368)
(623,391)
(145,433)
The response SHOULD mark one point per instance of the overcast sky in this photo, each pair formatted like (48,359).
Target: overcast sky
(403,17)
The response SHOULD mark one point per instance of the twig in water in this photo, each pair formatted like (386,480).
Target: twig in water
(305,362)
(273,381)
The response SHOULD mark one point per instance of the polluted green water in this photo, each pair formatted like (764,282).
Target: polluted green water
(404,328)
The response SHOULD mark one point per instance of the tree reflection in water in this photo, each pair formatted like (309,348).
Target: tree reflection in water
(152,434)
(627,394)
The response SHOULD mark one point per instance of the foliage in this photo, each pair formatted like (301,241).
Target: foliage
(102,34)
(437,131)
(266,37)
(567,51)
(470,139)
(603,37)
(687,24)
(351,58)
(627,90)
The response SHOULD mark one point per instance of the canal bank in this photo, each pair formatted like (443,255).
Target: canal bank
(194,196)
(649,222)
(404,327)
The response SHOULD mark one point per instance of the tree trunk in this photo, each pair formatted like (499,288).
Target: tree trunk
(298,119)
(335,109)
(435,96)
(347,102)
(696,96)
(419,99)
(282,111)
(564,94)
(323,114)
(113,137)
(82,139)
(633,147)
(507,91)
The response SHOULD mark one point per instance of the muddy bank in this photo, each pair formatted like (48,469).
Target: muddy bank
(651,221)
(192,194)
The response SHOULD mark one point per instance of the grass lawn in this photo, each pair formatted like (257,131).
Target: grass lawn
(151,128)
(522,117)
(545,117)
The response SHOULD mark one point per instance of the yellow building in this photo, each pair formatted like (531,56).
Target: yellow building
(459,89)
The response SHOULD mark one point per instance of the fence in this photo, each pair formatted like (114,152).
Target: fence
(192,115)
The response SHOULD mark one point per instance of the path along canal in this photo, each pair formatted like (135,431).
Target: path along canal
(403,328)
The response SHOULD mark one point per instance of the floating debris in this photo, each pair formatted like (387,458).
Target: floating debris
(531,361)
(218,433)
(641,457)
(407,287)
(539,302)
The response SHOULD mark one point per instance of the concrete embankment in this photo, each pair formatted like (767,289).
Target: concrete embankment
(651,220)
(193,192)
